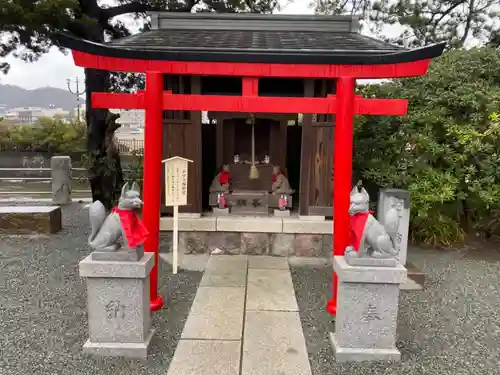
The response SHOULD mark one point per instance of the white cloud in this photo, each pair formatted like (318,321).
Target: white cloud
(52,69)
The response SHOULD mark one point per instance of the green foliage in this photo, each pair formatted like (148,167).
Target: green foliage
(135,168)
(50,134)
(446,151)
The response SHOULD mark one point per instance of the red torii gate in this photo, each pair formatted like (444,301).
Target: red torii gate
(154,100)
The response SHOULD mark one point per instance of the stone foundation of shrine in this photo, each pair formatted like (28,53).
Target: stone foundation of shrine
(287,236)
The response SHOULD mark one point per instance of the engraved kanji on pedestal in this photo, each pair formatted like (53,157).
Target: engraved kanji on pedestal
(118,306)
(366,321)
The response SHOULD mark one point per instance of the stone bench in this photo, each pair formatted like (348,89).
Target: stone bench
(30,219)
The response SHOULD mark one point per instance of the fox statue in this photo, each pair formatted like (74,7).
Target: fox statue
(121,227)
(368,238)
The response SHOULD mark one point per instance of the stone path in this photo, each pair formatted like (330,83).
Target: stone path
(244,321)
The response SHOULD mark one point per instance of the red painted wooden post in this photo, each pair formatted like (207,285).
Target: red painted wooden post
(153,145)
(342,162)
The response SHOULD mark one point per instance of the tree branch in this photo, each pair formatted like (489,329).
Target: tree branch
(448,11)
(134,7)
(468,23)
(250,4)
(190,4)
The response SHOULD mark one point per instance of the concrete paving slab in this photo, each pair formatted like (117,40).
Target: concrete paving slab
(189,224)
(227,263)
(310,226)
(270,290)
(206,357)
(267,262)
(224,279)
(216,313)
(274,344)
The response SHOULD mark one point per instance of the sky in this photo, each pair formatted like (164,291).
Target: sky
(54,68)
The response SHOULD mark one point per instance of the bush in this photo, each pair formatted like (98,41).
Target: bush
(446,151)
(135,168)
(49,134)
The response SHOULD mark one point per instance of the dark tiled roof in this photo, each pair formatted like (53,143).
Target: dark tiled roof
(252,38)
(252,46)
(299,41)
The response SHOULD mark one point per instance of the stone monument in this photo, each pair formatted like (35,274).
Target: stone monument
(399,201)
(61,179)
(369,278)
(117,278)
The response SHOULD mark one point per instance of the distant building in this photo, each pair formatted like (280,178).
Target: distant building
(31,115)
(131,120)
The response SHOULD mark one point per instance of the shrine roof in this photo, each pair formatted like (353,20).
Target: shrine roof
(257,41)
(254,38)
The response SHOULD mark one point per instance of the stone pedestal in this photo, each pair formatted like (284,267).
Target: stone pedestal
(220,211)
(367,311)
(61,179)
(282,213)
(118,306)
(312,218)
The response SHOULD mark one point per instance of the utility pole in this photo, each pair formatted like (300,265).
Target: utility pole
(77,93)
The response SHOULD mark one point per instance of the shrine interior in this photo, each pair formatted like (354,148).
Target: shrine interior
(214,139)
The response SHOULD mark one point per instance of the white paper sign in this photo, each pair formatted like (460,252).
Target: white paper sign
(176,182)
(176,178)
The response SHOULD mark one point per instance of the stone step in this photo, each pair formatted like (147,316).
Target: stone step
(415,274)
(30,219)
(259,211)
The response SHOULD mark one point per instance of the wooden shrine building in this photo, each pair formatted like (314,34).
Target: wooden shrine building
(301,144)
(250,92)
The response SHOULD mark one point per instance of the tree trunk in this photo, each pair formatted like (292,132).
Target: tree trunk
(105,172)
(104,168)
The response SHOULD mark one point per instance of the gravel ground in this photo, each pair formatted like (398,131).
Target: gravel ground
(452,327)
(43,322)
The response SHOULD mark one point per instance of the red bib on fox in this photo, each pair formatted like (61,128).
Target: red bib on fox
(356,229)
(134,230)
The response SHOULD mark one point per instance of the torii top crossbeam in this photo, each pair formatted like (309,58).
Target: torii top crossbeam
(251,46)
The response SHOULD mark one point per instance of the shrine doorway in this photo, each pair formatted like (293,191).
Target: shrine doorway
(235,146)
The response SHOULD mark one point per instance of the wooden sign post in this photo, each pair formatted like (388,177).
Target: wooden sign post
(176,183)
